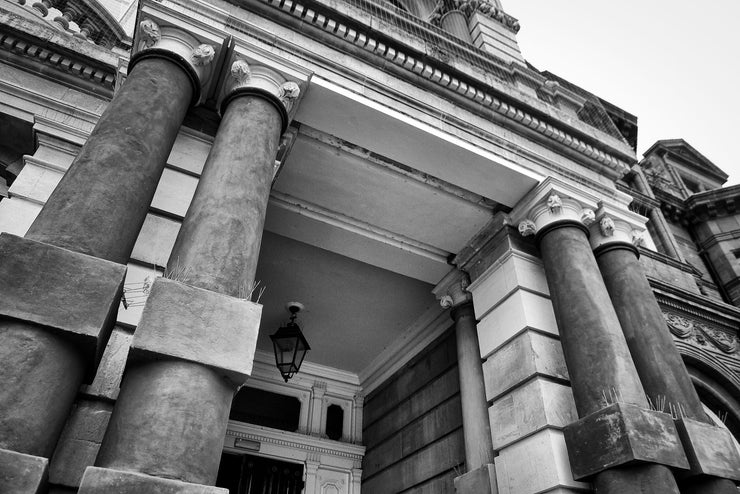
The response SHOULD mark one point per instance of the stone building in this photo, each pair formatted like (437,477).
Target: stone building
(499,296)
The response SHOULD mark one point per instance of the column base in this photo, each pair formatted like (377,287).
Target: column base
(107,481)
(622,434)
(709,448)
(22,474)
(479,481)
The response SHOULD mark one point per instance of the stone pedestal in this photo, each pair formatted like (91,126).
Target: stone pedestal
(104,481)
(22,474)
(479,481)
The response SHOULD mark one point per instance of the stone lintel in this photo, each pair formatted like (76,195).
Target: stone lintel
(22,474)
(198,325)
(709,448)
(107,481)
(69,292)
(479,481)
(621,434)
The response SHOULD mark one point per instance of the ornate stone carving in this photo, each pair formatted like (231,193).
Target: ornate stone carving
(469,7)
(150,33)
(554,204)
(527,228)
(588,216)
(606,225)
(240,71)
(638,238)
(701,333)
(289,92)
(203,55)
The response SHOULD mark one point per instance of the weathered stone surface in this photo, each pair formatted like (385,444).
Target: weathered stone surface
(68,291)
(709,448)
(621,434)
(479,481)
(22,474)
(200,326)
(107,481)
(78,446)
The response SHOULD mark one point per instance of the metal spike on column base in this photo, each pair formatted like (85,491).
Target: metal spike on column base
(107,481)
(22,474)
(621,434)
(709,448)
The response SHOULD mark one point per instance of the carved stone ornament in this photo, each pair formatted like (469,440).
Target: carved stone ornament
(150,33)
(446,301)
(289,91)
(638,238)
(527,228)
(588,216)
(684,328)
(240,71)
(606,226)
(679,326)
(554,203)
(203,55)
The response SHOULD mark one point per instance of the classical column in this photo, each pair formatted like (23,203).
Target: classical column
(659,222)
(195,343)
(658,363)
(316,426)
(476,426)
(606,387)
(62,282)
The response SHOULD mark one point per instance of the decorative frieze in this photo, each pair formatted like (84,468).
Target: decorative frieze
(701,334)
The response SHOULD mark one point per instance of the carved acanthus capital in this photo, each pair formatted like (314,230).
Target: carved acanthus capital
(203,55)
(265,80)
(194,54)
(452,290)
(150,34)
(615,226)
(554,206)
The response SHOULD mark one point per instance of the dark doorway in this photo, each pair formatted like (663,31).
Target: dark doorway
(245,474)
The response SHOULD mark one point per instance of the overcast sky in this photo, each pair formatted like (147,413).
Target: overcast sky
(674,64)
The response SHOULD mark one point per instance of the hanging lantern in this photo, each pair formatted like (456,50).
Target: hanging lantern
(289,344)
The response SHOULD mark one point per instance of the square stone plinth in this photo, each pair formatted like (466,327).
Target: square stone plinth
(200,326)
(22,474)
(70,292)
(479,481)
(621,434)
(106,481)
(709,448)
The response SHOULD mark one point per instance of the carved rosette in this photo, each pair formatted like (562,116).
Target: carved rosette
(254,76)
(184,46)
(452,291)
(554,207)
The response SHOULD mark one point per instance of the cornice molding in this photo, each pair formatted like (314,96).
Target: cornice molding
(75,62)
(593,148)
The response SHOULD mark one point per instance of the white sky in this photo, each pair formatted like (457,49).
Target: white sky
(673,64)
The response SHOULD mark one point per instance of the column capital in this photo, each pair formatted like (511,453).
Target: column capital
(451,291)
(614,227)
(251,72)
(194,50)
(555,202)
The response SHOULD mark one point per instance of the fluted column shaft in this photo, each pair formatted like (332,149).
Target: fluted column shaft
(97,209)
(596,354)
(171,416)
(476,425)
(659,365)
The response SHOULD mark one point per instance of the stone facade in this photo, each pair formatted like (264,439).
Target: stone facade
(498,296)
